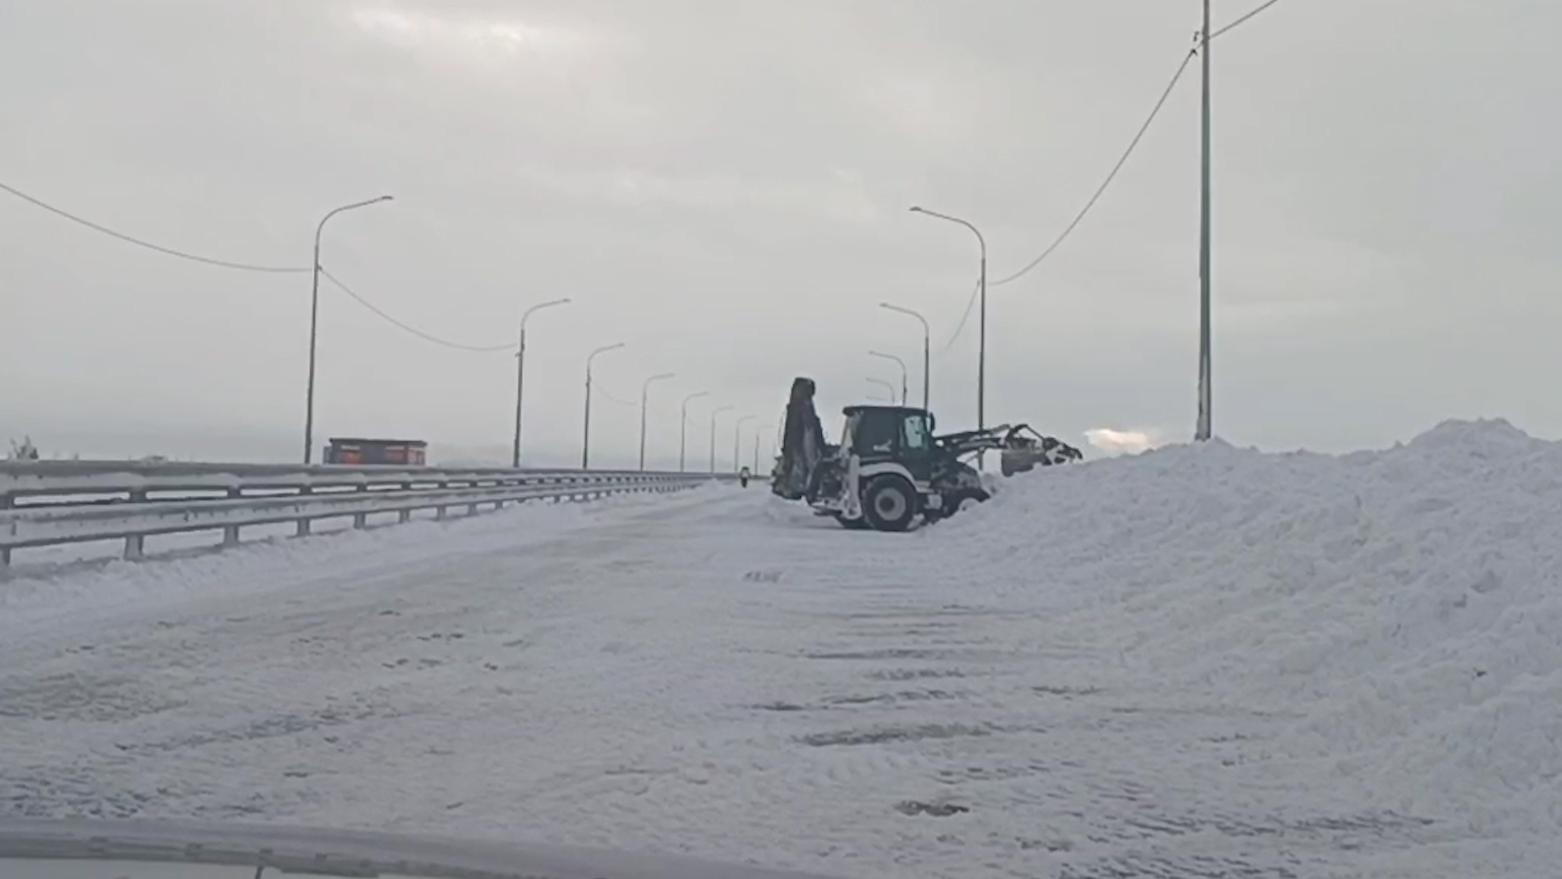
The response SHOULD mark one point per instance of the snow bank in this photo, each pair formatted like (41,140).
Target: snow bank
(1405,605)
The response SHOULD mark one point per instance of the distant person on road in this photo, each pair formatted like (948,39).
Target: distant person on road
(743,476)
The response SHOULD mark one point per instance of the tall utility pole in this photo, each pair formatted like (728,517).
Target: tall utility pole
(585,438)
(1205,428)
(520,376)
(713,413)
(314,323)
(683,425)
(902,365)
(926,346)
(645,390)
(737,441)
(981,356)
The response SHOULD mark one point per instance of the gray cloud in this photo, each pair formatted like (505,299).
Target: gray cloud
(723,186)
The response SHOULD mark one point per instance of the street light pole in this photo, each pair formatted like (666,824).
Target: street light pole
(981,356)
(644,391)
(683,425)
(926,346)
(737,440)
(520,376)
(887,386)
(902,371)
(757,432)
(713,413)
(585,441)
(314,323)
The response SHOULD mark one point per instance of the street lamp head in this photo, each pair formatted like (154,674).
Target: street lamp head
(603,350)
(917,209)
(540,306)
(386,197)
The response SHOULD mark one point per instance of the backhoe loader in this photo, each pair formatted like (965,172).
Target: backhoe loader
(890,468)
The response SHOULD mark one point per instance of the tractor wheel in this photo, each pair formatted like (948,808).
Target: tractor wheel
(889,504)
(963,499)
(858,524)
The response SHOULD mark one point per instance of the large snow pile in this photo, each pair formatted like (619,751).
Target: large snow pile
(1404,606)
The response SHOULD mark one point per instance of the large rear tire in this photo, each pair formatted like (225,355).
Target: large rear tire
(889,504)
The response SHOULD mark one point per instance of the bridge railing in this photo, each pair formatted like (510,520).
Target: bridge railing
(44,503)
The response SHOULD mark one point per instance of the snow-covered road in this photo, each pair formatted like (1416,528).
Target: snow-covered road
(720,674)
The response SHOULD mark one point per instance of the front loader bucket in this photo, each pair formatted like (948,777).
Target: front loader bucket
(1014,461)
(1022,453)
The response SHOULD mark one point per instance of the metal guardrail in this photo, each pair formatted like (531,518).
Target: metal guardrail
(44,503)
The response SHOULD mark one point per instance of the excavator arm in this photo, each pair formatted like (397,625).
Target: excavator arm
(1021,447)
(802,443)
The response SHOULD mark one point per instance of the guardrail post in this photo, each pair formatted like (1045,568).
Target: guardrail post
(303,524)
(135,543)
(471,509)
(361,520)
(230,533)
(404,516)
(439,512)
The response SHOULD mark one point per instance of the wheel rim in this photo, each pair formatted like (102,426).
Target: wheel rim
(890,505)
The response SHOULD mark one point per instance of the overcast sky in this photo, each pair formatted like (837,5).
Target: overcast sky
(723,186)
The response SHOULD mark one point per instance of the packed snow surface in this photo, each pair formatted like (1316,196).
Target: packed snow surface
(1196,662)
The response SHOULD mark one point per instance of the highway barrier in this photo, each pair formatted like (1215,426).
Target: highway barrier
(43,503)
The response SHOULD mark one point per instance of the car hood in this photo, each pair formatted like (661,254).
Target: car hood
(345,852)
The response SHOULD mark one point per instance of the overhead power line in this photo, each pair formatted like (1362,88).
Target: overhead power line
(597,386)
(1243,20)
(427,337)
(1111,175)
(248,267)
(1132,145)
(169,251)
(970,304)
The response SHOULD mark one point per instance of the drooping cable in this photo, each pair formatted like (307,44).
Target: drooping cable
(141,242)
(427,337)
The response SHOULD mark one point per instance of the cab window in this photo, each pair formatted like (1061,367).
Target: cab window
(914,433)
(876,433)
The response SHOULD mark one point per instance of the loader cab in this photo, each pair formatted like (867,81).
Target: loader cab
(891,435)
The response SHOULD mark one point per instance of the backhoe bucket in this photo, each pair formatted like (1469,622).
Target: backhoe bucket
(802,443)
